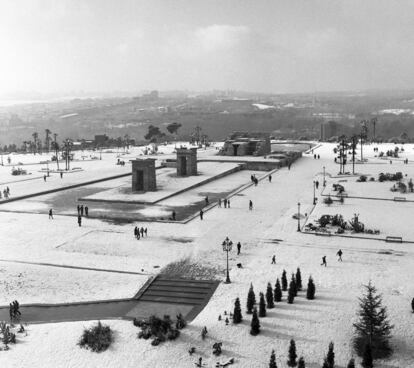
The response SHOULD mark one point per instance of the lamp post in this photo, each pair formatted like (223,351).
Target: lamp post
(298,216)
(227,245)
(314,194)
(324,181)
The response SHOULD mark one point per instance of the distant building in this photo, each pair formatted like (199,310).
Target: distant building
(246,144)
(328,130)
(101,140)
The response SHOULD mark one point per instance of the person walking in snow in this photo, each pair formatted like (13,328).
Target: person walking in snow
(339,254)
(86,211)
(250,205)
(206,199)
(142,232)
(273,259)
(228,203)
(174,215)
(219,202)
(81,210)
(61,175)
(78,210)
(50,214)
(238,248)
(145,232)
(201,214)
(135,231)
(79,220)
(324,261)
(270,178)
(225,202)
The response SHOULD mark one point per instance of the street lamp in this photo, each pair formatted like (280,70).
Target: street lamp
(314,194)
(227,245)
(298,216)
(324,181)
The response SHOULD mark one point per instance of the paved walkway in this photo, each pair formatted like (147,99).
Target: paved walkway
(159,296)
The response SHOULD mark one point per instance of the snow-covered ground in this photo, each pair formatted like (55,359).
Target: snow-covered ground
(266,230)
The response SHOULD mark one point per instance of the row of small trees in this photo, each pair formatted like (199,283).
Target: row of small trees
(267,300)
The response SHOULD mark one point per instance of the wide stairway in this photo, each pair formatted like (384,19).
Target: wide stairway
(182,291)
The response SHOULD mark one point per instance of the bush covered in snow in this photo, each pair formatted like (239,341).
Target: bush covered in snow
(97,338)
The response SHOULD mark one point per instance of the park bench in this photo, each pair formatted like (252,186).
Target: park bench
(400,199)
(393,239)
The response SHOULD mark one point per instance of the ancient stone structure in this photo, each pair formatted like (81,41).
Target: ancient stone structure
(186,161)
(246,144)
(143,175)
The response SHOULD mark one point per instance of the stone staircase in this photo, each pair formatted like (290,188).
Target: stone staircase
(182,291)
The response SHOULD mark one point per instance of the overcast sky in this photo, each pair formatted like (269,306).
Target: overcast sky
(254,45)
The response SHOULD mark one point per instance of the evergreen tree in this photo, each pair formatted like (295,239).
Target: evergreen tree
(301,363)
(269,297)
(310,292)
(330,357)
(284,281)
(255,324)
(251,300)
(291,292)
(298,279)
(272,363)
(237,315)
(367,361)
(262,306)
(373,327)
(292,354)
(351,363)
(293,282)
(278,291)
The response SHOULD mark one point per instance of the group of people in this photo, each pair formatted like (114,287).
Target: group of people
(255,180)
(315,156)
(6,193)
(139,233)
(81,211)
(338,253)
(226,202)
(14,310)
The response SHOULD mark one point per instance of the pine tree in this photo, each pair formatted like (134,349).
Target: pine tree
(272,363)
(284,281)
(301,363)
(330,357)
(278,291)
(351,363)
(269,297)
(373,326)
(237,315)
(255,324)
(251,300)
(310,292)
(292,354)
(262,306)
(298,279)
(291,292)
(367,361)
(293,282)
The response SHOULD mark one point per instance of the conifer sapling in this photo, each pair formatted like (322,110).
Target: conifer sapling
(262,306)
(255,324)
(251,300)
(272,363)
(310,292)
(278,291)
(269,297)
(237,315)
(292,354)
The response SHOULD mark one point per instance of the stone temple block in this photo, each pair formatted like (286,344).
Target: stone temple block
(186,161)
(143,175)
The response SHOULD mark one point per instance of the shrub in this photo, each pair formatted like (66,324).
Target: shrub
(372,179)
(324,220)
(278,292)
(237,315)
(362,179)
(310,292)
(338,220)
(269,297)
(98,338)
(328,200)
(356,225)
(251,300)
(255,324)
(284,281)
(292,354)
(262,306)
